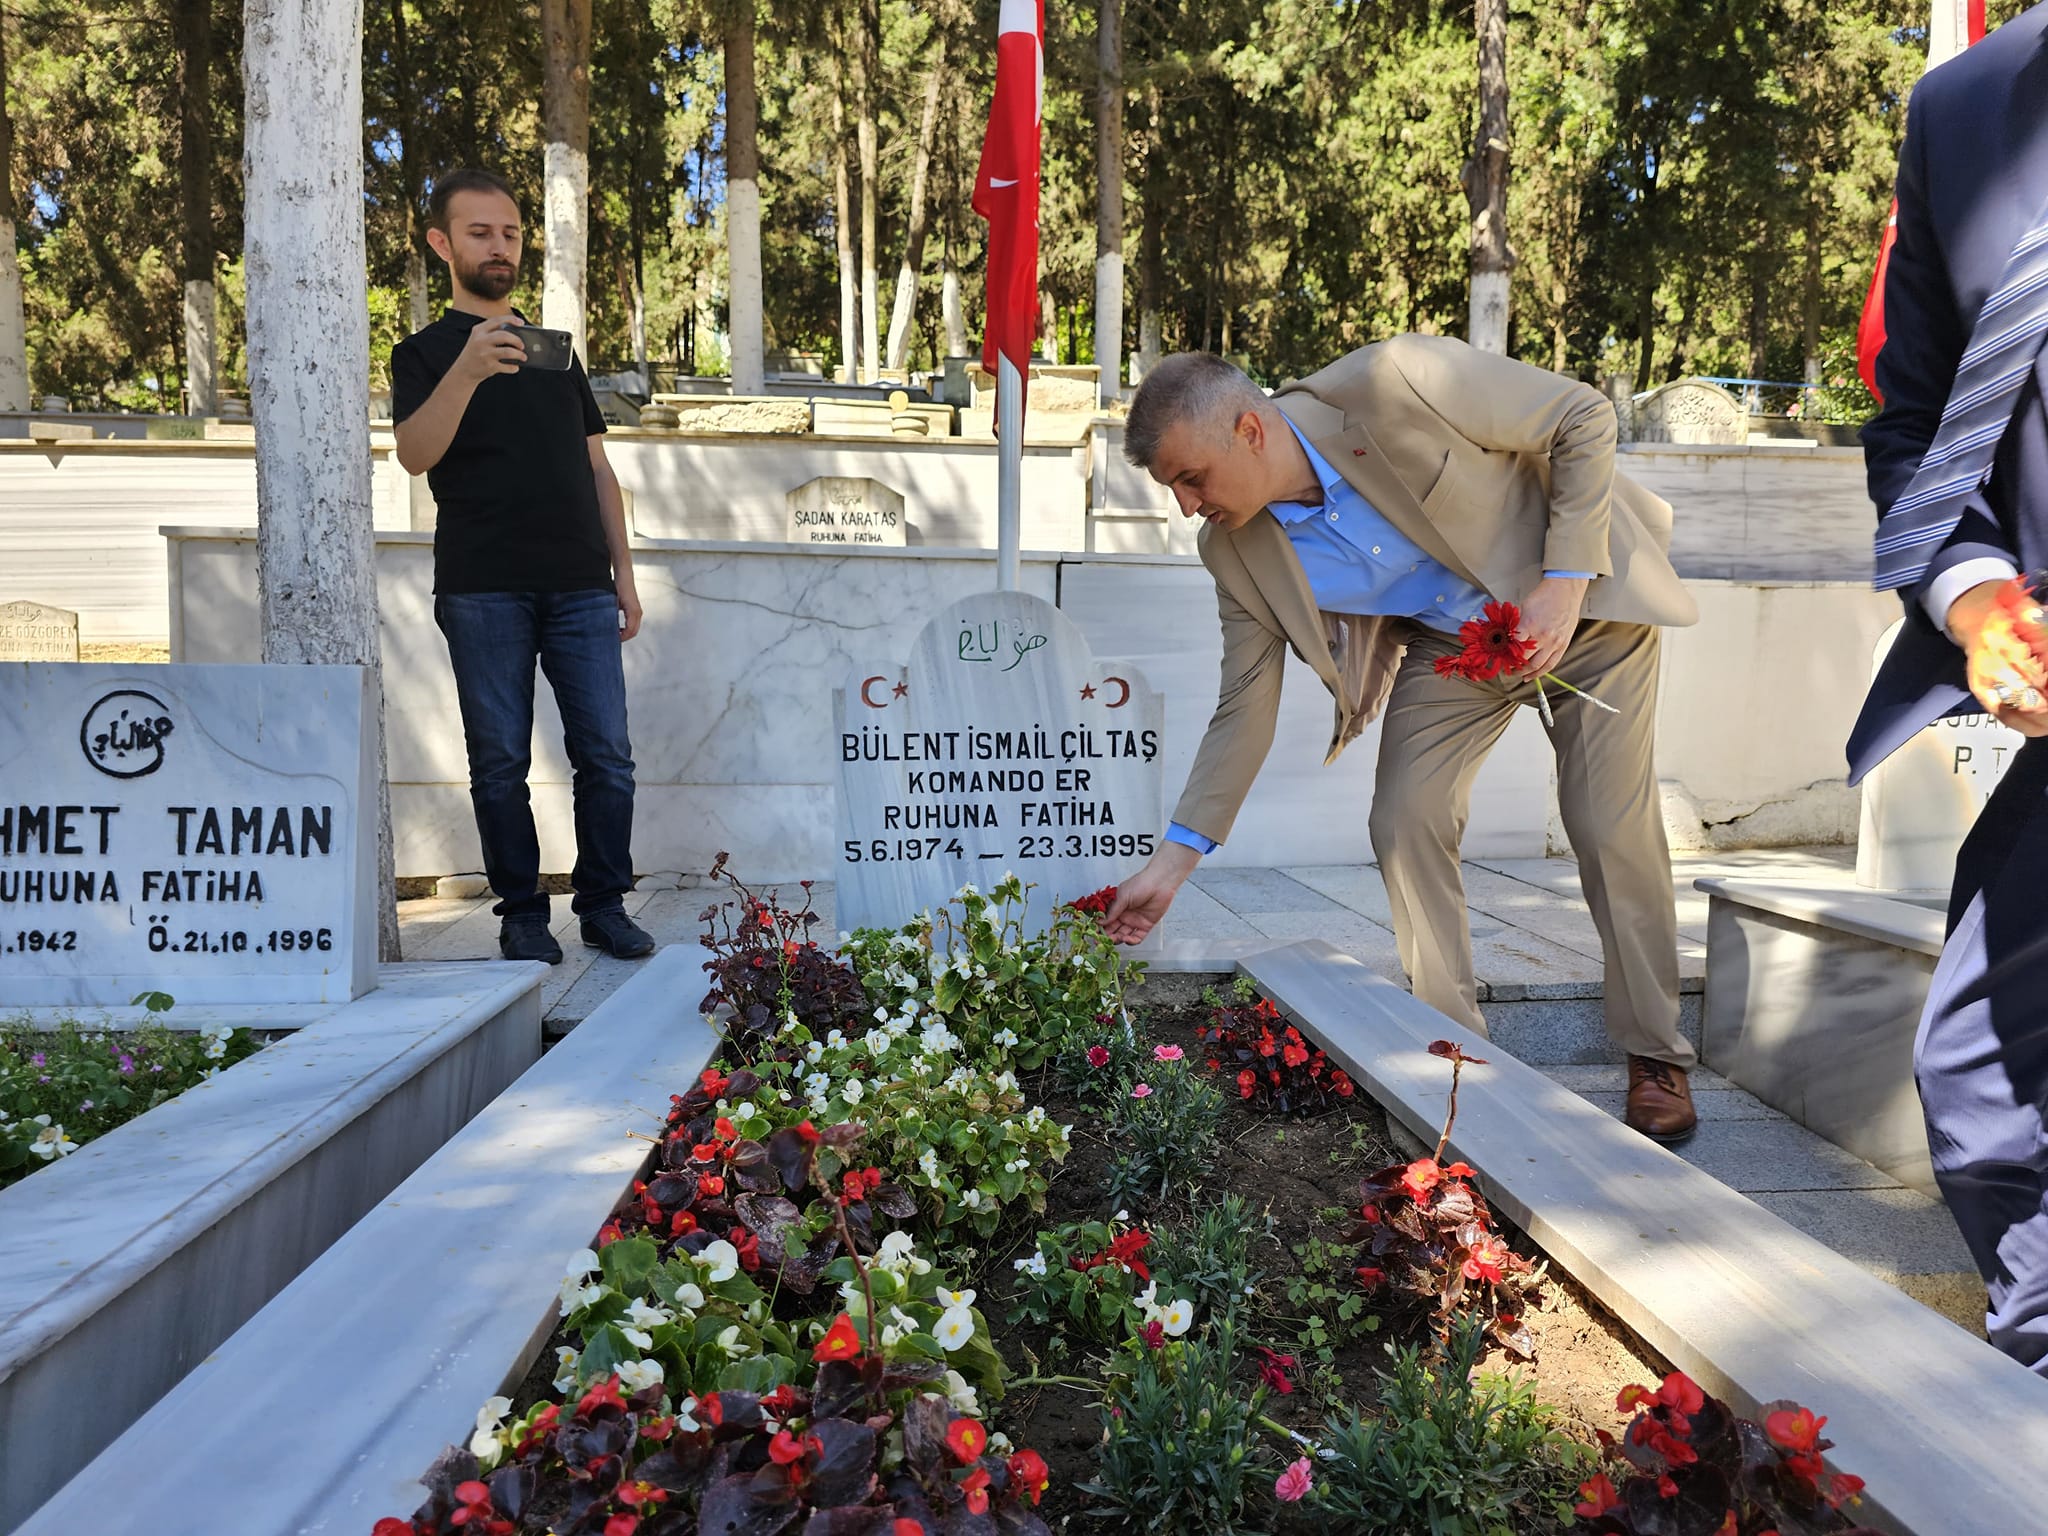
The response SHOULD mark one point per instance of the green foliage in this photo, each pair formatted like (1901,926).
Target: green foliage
(1077,1279)
(1006,994)
(1101,1058)
(1166,1130)
(61,1088)
(1179,1443)
(1322,1293)
(1450,1453)
(1209,1260)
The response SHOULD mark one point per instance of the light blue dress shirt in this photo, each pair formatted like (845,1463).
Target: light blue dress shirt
(1357,561)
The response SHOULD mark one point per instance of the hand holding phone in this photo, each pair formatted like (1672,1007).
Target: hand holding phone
(494,347)
(544,348)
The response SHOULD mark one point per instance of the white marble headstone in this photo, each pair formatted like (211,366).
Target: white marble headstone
(846,509)
(37,632)
(1003,746)
(206,831)
(1920,803)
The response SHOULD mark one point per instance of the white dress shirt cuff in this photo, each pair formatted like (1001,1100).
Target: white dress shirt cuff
(1952,583)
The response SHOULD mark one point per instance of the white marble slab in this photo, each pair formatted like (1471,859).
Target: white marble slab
(124,1264)
(191,829)
(1002,746)
(436,1300)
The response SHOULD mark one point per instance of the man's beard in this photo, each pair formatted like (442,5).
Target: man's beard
(489,281)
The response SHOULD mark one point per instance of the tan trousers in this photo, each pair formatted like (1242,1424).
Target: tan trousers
(1438,731)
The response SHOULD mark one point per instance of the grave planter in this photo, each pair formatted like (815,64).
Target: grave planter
(122,1266)
(324,1408)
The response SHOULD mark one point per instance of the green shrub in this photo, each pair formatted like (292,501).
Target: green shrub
(1451,1453)
(1210,1260)
(1167,1128)
(1179,1446)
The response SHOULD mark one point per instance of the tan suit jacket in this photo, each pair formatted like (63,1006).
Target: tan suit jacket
(1499,470)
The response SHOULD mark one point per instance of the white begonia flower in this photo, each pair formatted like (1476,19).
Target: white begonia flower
(1121,1216)
(493,1412)
(576,1295)
(951,1299)
(971,1198)
(877,1041)
(566,1361)
(686,1414)
(1000,1444)
(959,1080)
(928,1164)
(1147,1299)
(730,1341)
(1035,1265)
(969,889)
(903,1320)
(721,1259)
(820,1106)
(955,1328)
(891,1335)
(1006,1037)
(814,1052)
(895,1250)
(639,1375)
(689,1298)
(1035,1118)
(1066,1133)
(1177,1317)
(960,1394)
(817,1083)
(51,1142)
(635,1337)
(853,1091)
(1006,1081)
(836,1039)
(642,1314)
(845,938)
(881,1015)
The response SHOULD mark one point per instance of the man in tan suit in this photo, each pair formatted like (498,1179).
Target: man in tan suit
(1359,517)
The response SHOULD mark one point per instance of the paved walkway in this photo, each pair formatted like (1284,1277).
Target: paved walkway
(1538,962)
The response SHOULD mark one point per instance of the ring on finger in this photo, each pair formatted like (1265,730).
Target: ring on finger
(2007,695)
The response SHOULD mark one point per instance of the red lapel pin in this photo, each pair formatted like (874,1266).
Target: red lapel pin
(1358,453)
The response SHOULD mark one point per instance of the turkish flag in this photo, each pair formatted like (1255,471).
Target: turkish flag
(1006,186)
(1953,26)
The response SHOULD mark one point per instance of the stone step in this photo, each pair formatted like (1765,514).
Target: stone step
(1569,1031)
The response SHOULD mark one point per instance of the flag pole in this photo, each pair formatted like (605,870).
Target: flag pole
(1009,471)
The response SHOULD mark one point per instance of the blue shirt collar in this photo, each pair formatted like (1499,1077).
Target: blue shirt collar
(1334,484)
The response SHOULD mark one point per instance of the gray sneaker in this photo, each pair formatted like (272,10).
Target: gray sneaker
(526,937)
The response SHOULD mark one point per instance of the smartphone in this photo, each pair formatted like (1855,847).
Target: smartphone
(544,348)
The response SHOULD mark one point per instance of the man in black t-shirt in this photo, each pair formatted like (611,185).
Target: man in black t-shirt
(530,565)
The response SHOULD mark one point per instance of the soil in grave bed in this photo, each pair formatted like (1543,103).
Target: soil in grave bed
(1301,1177)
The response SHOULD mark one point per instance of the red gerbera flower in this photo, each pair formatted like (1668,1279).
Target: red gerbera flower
(1491,646)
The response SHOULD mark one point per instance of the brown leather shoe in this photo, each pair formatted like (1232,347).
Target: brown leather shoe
(1659,1100)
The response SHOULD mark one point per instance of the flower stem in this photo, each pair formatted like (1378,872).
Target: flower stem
(1050,1381)
(1296,1436)
(1552,677)
(1543,703)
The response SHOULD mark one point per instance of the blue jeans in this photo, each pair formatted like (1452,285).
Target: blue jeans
(494,638)
(1982,1057)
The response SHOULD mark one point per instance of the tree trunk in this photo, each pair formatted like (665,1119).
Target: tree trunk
(13,325)
(1049,326)
(842,234)
(743,208)
(1109,201)
(411,172)
(1759,300)
(309,357)
(953,311)
(192,20)
(868,50)
(1486,185)
(1810,295)
(1151,244)
(565,113)
(913,249)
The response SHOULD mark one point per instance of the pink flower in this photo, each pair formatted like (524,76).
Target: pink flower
(1291,1485)
(1142,1091)
(1098,1055)
(1167,1053)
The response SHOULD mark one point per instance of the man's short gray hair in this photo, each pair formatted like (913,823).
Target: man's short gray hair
(1188,386)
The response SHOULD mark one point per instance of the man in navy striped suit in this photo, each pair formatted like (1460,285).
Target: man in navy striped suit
(1958,467)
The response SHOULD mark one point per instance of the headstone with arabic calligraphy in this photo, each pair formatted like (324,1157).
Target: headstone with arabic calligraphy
(1002,746)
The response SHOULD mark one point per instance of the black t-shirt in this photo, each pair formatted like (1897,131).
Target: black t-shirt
(517,500)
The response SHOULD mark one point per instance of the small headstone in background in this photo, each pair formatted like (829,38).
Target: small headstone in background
(37,632)
(846,509)
(1920,803)
(1003,747)
(1691,411)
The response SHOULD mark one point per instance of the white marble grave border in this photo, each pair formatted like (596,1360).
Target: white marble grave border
(1748,1306)
(323,1410)
(122,1266)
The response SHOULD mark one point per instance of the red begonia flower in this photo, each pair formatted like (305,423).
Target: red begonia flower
(1844,1488)
(682,1224)
(1030,1473)
(604,1394)
(1793,1429)
(966,1439)
(1247,1083)
(841,1341)
(638,1493)
(1596,1497)
(975,1486)
(1371,1278)
(1419,1178)
(622,1525)
(785,1448)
